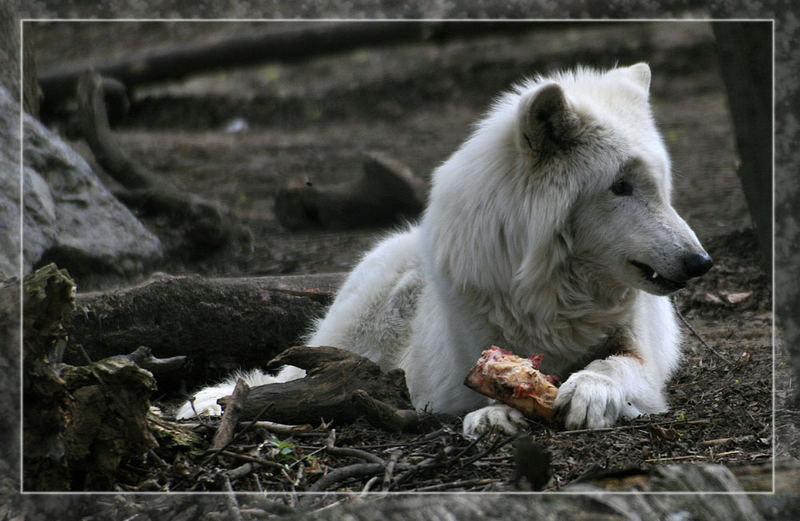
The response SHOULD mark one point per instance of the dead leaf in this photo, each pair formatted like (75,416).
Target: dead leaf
(737,298)
(658,433)
(712,299)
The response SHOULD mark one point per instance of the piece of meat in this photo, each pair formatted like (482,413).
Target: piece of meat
(514,381)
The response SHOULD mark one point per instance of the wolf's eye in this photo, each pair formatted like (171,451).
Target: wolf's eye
(622,187)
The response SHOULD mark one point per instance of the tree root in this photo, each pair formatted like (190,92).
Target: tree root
(206,224)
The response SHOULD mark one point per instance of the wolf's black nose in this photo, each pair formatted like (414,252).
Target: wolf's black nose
(696,264)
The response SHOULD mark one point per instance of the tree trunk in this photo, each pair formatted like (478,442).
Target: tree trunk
(745,57)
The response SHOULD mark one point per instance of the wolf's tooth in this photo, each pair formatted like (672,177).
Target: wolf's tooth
(655,274)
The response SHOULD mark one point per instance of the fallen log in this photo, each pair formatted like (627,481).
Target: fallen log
(281,43)
(219,324)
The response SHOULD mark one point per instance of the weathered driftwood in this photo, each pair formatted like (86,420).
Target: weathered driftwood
(219,324)
(386,192)
(338,386)
(206,224)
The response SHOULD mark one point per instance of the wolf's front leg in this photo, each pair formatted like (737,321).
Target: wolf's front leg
(619,386)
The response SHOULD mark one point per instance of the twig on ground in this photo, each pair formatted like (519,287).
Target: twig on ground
(143,357)
(720,441)
(247,427)
(304,456)
(241,471)
(227,425)
(370,483)
(374,465)
(213,453)
(697,335)
(458,484)
(280,428)
(151,454)
(197,416)
(389,473)
(636,426)
(727,453)
(252,459)
(349,452)
(496,445)
(436,463)
(343,473)
(676,458)
(473,443)
(230,499)
(396,444)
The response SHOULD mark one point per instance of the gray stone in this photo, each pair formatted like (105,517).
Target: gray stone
(68,215)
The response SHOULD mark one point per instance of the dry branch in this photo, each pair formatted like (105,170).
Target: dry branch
(356,470)
(233,405)
(335,378)
(280,428)
(330,448)
(143,357)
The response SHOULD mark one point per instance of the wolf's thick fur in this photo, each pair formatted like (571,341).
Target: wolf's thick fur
(550,231)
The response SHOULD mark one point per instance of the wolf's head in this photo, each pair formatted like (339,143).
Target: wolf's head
(565,169)
(597,129)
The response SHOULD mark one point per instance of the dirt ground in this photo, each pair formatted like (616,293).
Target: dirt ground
(415,102)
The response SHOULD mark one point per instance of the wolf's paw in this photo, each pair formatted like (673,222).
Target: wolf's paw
(502,417)
(592,400)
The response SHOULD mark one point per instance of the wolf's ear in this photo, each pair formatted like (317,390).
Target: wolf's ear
(640,74)
(547,121)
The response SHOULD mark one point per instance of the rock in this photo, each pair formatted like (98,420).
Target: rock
(68,215)
(9,202)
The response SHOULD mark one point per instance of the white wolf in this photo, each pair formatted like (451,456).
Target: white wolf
(550,230)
